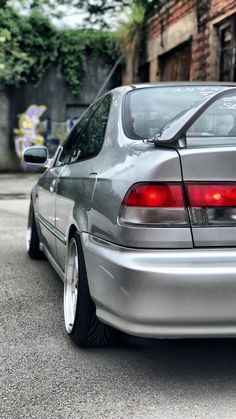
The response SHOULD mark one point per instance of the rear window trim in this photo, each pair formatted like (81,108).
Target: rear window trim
(125,110)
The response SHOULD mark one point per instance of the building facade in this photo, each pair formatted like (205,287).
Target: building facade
(188,40)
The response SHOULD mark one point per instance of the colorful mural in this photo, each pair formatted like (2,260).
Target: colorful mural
(34,131)
(26,135)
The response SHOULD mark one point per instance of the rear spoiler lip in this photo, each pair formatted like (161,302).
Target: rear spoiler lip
(175,130)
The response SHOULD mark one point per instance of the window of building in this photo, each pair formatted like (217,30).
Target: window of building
(144,73)
(227,38)
(175,64)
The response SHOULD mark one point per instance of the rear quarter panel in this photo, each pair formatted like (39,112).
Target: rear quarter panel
(122,163)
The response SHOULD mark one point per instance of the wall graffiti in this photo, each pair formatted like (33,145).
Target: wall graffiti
(35,131)
(26,135)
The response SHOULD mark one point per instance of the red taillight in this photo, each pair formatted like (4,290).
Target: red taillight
(158,204)
(155,195)
(162,204)
(211,195)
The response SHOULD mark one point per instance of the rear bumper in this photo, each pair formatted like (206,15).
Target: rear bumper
(163,293)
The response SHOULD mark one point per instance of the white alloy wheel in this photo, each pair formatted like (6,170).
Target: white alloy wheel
(28,238)
(71,286)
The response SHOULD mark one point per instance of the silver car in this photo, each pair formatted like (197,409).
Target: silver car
(137,214)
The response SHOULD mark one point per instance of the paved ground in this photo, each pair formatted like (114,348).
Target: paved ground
(16,185)
(43,375)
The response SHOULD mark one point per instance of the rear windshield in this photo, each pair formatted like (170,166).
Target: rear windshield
(147,110)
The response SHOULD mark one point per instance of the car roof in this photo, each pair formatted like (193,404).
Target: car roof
(132,87)
(182,83)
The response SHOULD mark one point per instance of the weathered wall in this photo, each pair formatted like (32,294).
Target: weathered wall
(8,160)
(206,46)
(175,24)
(53,92)
(180,21)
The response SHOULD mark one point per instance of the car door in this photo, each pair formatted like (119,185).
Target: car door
(208,159)
(77,178)
(47,187)
(46,208)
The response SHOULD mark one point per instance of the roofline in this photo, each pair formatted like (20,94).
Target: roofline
(182,83)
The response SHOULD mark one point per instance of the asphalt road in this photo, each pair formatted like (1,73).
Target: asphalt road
(43,375)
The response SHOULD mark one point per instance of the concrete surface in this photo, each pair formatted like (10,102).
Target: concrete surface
(43,375)
(17,185)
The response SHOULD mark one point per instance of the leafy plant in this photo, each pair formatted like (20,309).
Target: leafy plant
(131,33)
(14,62)
(29,45)
(78,44)
(100,13)
(41,41)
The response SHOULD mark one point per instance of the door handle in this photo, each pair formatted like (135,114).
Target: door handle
(51,188)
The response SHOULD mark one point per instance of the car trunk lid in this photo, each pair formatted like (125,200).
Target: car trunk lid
(209,176)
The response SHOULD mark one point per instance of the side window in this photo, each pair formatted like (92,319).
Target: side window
(91,140)
(69,144)
(219,120)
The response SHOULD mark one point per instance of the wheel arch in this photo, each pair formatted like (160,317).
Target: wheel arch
(30,211)
(72,230)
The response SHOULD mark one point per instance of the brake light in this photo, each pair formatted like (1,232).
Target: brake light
(163,204)
(160,204)
(158,195)
(211,195)
(212,204)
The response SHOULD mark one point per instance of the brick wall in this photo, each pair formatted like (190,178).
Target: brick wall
(204,50)
(200,60)
(169,14)
(182,20)
(176,23)
(219,7)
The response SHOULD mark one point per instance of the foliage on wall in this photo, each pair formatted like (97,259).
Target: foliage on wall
(78,44)
(29,45)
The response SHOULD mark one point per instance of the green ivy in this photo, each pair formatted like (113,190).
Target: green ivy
(14,62)
(29,45)
(78,44)
(41,42)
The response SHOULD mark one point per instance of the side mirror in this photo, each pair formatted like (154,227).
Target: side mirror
(36,155)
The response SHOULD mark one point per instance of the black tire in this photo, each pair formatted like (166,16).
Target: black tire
(88,330)
(33,242)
